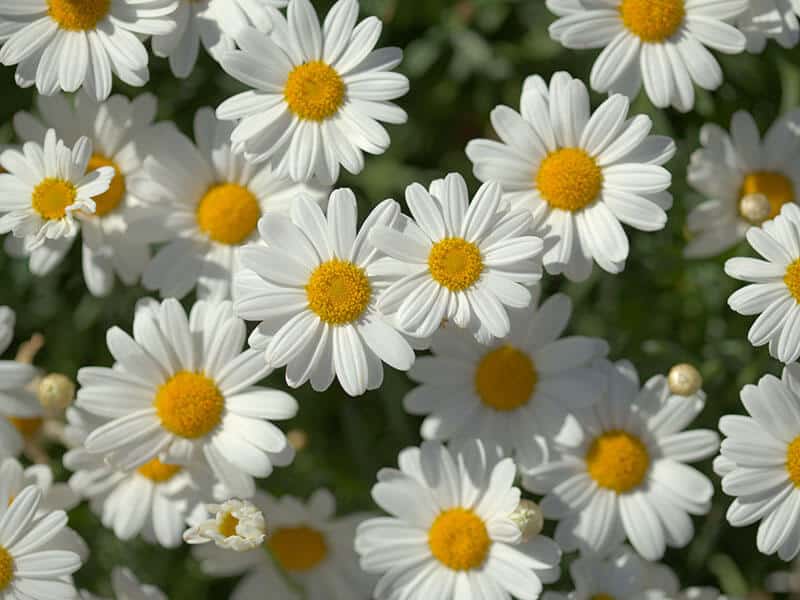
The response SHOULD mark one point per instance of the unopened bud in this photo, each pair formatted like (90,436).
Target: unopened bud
(56,391)
(755,208)
(684,380)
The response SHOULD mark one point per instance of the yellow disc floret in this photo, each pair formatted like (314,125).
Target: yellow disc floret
(777,188)
(617,461)
(455,263)
(78,15)
(228,213)
(189,405)
(52,197)
(569,179)
(338,291)
(157,471)
(108,201)
(793,461)
(314,91)
(505,378)
(298,548)
(228,525)
(792,279)
(652,20)
(6,568)
(459,540)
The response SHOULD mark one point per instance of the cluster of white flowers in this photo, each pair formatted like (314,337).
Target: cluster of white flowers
(247,217)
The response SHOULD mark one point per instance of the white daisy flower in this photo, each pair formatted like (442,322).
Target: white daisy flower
(580,174)
(181,390)
(315,286)
(450,535)
(319,93)
(659,42)
(214,24)
(7,320)
(466,261)
(20,411)
(119,130)
(513,394)
(205,202)
(153,500)
(759,462)
(620,471)
(237,525)
(746,180)
(127,587)
(770,20)
(45,186)
(64,44)
(308,554)
(773,290)
(32,563)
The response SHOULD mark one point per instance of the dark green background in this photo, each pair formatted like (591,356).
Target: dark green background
(463,58)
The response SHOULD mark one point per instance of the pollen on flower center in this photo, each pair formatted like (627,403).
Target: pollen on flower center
(459,540)
(617,461)
(78,15)
(228,213)
(338,291)
(52,197)
(228,525)
(157,471)
(569,179)
(314,91)
(189,405)
(298,548)
(505,378)
(792,279)
(455,263)
(793,461)
(777,188)
(28,427)
(652,20)
(108,201)
(6,568)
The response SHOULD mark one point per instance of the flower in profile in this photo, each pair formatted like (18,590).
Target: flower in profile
(236,525)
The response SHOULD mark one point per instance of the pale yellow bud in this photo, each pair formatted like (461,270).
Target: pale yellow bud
(684,380)
(56,391)
(755,208)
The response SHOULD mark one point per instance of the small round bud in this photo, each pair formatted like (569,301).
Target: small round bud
(297,438)
(56,391)
(755,208)
(684,380)
(528,517)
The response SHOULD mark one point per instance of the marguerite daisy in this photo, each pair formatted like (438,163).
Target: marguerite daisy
(745,179)
(513,394)
(45,186)
(773,290)
(320,92)
(660,42)
(580,174)
(315,287)
(759,462)
(770,20)
(119,130)
(236,525)
(127,587)
(181,390)
(466,262)
(32,562)
(621,471)
(450,535)
(66,44)
(308,554)
(205,202)
(214,23)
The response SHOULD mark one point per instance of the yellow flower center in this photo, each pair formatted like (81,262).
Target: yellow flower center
(458,539)
(52,197)
(78,15)
(617,461)
(777,188)
(793,461)
(455,263)
(228,525)
(109,200)
(314,91)
(189,405)
(27,427)
(338,291)
(298,548)
(228,213)
(505,378)
(792,279)
(569,179)
(6,568)
(157,471)
(652,20)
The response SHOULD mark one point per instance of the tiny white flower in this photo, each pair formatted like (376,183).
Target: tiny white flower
(237,525)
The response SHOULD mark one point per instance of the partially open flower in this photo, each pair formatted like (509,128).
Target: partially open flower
(528,517)
(237,525)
